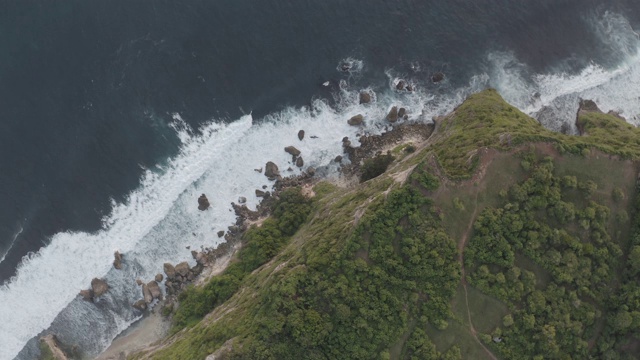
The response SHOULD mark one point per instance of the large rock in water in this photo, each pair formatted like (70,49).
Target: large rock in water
(301,135)
(154,289)
(117,261)
(437,77)
(140,305)
(271,170)
(146,293)
(292,150)
(365,98)
(356,120)
(203,203)
(393,115)
(99,287)
(169,270)
(183,268)
(87,295)
(299,162)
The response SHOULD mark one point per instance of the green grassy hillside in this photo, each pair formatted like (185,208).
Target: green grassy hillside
(497,240)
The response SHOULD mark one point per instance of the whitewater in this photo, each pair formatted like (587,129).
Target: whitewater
(159,222)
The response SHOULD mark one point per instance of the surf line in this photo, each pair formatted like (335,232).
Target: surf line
(15,237)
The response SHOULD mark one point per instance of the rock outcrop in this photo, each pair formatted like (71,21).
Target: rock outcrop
(365,98)
(154,289)
(99,287)
(271,171)
(393,114)
(292,150)
(140,305)
(182,269)
(402,113)
(300,135)
(87,295)
(169,270)
(437,77)
(299,162)
(356,120)
(203,203)
(117,261)
(146,294)
(159,277)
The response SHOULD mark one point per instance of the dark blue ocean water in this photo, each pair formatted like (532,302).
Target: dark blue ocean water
(88,89)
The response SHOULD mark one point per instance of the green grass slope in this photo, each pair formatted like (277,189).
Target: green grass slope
(506,241)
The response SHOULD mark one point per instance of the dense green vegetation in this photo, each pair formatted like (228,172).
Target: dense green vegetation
(261,244)
(486,120)
(555,222)
(552,261)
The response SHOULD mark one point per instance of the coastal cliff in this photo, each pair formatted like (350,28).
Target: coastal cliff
(490,238)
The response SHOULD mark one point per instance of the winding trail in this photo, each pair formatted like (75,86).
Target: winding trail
(461,245)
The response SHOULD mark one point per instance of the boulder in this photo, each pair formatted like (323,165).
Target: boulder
(259,193)
(301,135)
(159,277)
(117,261)
(402,112)
(183,268)
(338,159)
(299,162)
(140,305)
(401,85)
(154,289)
(437,77)
(311,171)
(196,270)
(169,270)
(203,203)
(139,282)
(242,200)
(146,293)
(220,233)
(356,120)
(99,287)
(86,294)
(292,150)
(393,115)
(365,98)
(271,171)
(200,258)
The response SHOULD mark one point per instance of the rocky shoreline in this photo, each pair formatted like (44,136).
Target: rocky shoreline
(210,261)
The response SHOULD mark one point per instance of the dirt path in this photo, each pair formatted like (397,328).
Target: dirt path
(461,245)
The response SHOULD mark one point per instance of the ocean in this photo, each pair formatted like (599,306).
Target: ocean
(116,115)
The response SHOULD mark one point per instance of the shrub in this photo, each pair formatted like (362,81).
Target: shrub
(375,166)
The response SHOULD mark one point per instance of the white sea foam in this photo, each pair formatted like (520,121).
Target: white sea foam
(13,241)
